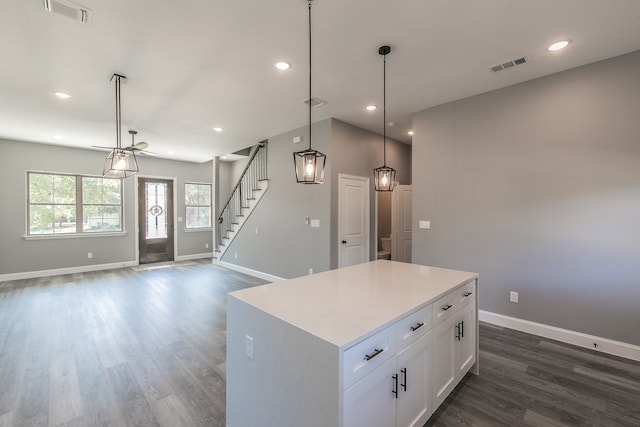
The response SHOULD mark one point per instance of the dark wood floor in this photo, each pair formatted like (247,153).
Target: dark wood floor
(133,347)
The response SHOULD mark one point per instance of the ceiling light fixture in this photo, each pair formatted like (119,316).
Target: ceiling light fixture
(218,129)
(281,65)
(120,163)
(372,107)
(309,163)
(384,176)
(558,46)
(62,95)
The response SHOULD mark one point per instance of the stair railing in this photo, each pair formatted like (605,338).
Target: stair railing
(249,181)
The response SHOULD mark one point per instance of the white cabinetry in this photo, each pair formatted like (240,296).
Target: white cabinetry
(454,340)
(366,345)
(394,394)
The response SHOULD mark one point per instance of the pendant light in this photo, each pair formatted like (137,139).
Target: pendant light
(384,177)
(119,163)
(309,163)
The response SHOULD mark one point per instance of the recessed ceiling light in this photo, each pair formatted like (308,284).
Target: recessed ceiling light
(62,95)
(224,157)
(410,132)
(281,65)
(558,45)
(217,129)
(58,137)
(371,107)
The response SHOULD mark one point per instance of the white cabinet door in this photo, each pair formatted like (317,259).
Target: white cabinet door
(413,405)
(370,402)
(466,345)
(443,370)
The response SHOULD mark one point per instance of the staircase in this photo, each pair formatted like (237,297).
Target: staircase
(251,186)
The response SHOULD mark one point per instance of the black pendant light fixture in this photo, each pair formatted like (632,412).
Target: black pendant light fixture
(119,163)
(384,177)
(309,163)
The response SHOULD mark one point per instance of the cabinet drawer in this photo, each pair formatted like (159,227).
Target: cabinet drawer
(444,307)
(466,293)
(412,327)
(367,355)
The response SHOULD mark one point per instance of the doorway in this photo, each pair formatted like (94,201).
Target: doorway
(155,220)
(353,220)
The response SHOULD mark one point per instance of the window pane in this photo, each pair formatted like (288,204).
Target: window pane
(64,220)
(40,188)
(101,191)
(41,219)
(64,189)
(156,203)
(97,219)
(198,217)
(112,191)
(197,194)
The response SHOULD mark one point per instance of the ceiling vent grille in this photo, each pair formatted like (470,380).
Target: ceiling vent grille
(508,64)
(69,9)
(315,102)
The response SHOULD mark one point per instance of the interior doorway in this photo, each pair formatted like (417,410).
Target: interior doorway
(393,223)
(155,220)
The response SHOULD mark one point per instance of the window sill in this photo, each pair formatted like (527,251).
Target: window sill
(73,236)
(197,230)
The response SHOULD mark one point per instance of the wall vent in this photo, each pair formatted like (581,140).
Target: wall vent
(69,9)
(315,102)
(508,64)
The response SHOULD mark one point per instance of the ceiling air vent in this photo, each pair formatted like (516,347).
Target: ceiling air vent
(508,64)
(315,102)
(69,9)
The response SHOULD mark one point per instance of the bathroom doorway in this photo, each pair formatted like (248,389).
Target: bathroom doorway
(393,223)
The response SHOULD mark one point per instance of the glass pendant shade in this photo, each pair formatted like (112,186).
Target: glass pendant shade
(384,178)
(309,166)
(120,164)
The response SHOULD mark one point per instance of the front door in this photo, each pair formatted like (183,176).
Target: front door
(353,220)
(155,220)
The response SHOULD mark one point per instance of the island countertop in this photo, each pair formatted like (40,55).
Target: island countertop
(341,306)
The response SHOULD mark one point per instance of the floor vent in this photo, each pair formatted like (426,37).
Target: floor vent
(69,9)
(508,64)
(315,102)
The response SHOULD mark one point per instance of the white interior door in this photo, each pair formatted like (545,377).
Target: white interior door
(353,220)
(401,223)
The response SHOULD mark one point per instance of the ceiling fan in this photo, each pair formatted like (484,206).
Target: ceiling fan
(135,147)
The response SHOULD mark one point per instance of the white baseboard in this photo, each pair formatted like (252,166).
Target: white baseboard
(604,345)
(248,271)
(194,256)
(68,270)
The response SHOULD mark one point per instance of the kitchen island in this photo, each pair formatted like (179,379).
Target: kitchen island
(376,344)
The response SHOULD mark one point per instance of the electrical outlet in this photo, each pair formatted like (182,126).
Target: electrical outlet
(90,255)
(206,246)
(310,271)
(513,297)
(236,254)
(248,346)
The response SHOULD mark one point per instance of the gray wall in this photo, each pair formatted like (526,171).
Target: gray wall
(23,256)
(357,152)
(537,188)
(285,246)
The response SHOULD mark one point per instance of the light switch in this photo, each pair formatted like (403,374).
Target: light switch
(426,225)
(315,223)
(248,346)
(179,219)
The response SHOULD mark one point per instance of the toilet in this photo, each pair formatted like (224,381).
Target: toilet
(385,244)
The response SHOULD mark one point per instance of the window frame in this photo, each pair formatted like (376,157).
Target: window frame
(78,208)
(188,205)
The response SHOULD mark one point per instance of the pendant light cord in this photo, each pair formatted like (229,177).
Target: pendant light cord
(310,74)
(384,110)
(118,114)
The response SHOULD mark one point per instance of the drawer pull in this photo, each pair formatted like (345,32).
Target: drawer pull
(404,379)
(418,326)
(376,352)
(446,307)
(467,294)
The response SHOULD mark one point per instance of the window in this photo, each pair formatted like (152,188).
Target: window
(73,204)
(198,205)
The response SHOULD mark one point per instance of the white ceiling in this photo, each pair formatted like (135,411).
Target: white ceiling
(195,64)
